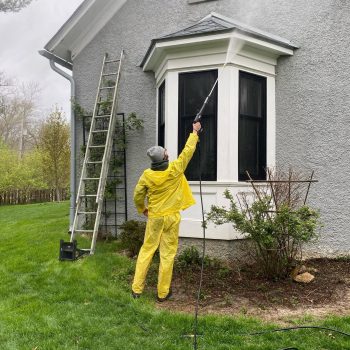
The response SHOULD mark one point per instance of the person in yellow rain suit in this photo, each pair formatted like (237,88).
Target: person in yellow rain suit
(167,192)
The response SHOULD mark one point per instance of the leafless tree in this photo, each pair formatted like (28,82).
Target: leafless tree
(18,114)
(13,5)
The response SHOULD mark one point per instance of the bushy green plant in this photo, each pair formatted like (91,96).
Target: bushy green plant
(131,236)
(188,257)
(278,236)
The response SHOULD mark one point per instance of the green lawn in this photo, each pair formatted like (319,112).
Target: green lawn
(48,304)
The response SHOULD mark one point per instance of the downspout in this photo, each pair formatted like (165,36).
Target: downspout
(53,60)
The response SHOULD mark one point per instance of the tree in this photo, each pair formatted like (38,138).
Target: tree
(13,5)
(20,174)
(54,146)
(18,122)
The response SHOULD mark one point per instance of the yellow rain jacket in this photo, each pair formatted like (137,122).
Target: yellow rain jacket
(167,191)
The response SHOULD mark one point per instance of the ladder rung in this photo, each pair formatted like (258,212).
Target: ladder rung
(102,102)
(87,212)
(97,146)
(107,74)
(91,178)
(97,131)
(112,61)
(84,230)
(107,87)
(95,162)
(103,116)
(88,195)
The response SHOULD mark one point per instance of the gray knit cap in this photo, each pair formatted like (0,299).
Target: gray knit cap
(156,153)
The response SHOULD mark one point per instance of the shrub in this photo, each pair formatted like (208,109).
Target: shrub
(277,235)
(131,236)
(188,257)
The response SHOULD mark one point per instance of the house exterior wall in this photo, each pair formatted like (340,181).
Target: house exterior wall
(312,95)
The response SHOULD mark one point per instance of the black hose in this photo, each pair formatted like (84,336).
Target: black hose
(195,328)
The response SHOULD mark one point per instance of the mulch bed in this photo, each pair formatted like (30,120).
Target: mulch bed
(230,289)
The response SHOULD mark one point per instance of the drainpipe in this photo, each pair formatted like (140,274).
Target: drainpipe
(53,60)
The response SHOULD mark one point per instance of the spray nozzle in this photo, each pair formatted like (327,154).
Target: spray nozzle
(197,118)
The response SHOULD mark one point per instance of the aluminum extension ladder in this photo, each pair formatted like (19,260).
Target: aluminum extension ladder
(90,195)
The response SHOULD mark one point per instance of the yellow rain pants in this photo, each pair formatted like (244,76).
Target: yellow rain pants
(163,232)
(167,193)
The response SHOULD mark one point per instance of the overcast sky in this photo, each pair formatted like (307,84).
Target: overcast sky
(22,34)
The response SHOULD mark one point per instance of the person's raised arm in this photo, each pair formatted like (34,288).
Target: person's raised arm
(181,163)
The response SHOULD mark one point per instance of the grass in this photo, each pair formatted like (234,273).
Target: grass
(46,304)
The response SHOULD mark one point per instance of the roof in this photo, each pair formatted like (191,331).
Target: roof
(215,23)
(87,20)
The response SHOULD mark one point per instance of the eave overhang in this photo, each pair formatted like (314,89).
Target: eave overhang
(78,31)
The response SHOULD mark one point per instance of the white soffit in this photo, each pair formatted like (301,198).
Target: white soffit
(89,18)
(163,48)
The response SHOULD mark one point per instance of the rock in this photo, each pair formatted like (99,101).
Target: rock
(305,277)
(303,269)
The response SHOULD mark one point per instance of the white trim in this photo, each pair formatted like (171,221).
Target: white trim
(171,114)
(183,47)
(270,122)
(82,27)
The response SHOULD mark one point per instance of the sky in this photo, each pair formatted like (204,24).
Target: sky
(22,35)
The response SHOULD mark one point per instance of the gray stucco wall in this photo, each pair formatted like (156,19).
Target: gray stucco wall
(312,93)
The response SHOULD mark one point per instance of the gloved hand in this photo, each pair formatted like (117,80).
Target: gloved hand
(197,127)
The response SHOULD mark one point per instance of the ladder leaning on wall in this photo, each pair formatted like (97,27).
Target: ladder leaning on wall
(90,195)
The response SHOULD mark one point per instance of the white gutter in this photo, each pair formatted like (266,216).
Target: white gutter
(54,59)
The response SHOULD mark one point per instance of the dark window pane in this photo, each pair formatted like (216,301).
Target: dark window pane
(196,89)
(193,89)
(161,114)
(251,96)
(252,126)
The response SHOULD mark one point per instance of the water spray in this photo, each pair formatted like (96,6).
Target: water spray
(233,47)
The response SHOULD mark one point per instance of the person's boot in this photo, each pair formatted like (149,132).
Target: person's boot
(135,295)
(160,300)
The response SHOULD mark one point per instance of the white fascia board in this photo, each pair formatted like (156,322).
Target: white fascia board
(82,27)
(163,47)
(265,46)
(107,12)
(268,52)
(67,27)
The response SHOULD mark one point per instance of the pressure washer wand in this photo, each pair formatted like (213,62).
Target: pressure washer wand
(199,114)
